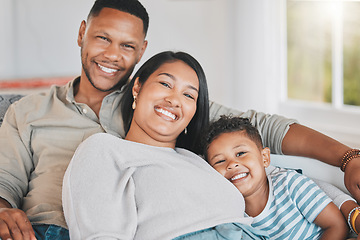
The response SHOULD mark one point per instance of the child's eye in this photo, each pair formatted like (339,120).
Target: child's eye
(240,154)
(218,162)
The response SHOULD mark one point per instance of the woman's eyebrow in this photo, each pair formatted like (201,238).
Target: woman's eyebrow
(174,78)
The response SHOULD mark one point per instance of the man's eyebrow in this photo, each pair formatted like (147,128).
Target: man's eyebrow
(174,78)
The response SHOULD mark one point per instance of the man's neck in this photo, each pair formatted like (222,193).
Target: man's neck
(84,93)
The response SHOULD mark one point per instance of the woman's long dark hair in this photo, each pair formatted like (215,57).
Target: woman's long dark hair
(200,121)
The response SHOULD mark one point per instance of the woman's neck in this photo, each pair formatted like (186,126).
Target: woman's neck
(136,134)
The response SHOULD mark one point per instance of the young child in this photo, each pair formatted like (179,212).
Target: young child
(286,204)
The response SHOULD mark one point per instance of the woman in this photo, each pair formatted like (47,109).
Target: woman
(146,187)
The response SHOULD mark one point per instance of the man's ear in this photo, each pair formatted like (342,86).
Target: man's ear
(265,153)
(81,33)
(136,88)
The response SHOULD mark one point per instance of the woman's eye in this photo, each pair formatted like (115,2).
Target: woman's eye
(189,96)
(165,84)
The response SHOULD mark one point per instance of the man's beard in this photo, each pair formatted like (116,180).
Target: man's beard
(117,86)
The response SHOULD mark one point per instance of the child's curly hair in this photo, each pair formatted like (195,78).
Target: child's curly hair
(228,124)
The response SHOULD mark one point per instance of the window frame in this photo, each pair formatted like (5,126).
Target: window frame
(335,119)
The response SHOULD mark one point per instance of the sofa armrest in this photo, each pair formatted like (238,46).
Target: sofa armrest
(5,101)
(312,168)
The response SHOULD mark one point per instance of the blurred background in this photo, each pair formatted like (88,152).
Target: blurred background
(296,58)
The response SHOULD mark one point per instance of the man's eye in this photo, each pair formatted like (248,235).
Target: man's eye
(129,46)
(103,38)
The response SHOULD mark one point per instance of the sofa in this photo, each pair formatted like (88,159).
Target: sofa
(309,167)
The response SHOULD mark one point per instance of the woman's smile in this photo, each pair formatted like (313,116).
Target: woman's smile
(162,112)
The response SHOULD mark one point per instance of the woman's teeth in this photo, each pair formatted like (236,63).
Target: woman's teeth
(166,113)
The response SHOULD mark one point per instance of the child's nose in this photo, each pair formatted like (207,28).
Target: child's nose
(233,164)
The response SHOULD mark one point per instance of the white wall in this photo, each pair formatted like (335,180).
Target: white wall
(41,40)
(7,46)
(238,43)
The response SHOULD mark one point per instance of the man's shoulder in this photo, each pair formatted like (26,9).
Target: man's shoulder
(39,99)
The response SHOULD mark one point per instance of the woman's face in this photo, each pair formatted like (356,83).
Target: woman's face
(165,104)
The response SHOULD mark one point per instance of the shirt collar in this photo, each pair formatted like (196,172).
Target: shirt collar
(70,90)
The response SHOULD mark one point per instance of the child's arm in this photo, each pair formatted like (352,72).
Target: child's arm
(347,208)
(331,220)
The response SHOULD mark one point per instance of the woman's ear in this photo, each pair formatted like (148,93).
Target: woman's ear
(136,88)
(265,153)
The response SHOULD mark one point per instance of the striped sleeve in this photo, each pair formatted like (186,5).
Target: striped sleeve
(306,195)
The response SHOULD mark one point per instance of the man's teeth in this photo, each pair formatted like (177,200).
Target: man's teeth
(241,175)
(107,70)
(166,113)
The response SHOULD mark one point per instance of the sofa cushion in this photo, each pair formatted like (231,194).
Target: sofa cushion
(5,101)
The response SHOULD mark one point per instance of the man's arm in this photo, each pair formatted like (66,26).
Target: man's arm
(272,128)
(304,141)
(14,224)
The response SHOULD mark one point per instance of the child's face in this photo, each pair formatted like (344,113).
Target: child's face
(240,160)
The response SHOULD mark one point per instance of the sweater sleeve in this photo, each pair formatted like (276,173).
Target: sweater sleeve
(99,196)
(272,128)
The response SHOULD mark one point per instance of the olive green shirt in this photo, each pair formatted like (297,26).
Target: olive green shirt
(40,133)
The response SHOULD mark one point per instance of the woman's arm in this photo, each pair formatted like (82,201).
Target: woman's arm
(332,222)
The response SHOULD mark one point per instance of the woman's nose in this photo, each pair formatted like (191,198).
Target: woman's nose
(173,99)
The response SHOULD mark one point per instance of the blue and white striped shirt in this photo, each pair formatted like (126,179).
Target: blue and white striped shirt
(294,203)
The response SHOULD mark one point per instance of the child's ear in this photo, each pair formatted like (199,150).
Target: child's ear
(136,88)
(265,153)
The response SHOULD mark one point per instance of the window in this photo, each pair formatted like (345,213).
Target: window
(321,66)
(323,51)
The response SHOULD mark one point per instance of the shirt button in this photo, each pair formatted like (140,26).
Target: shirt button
(85,110)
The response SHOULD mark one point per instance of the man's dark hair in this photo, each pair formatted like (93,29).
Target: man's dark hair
(132,7)
(229,124)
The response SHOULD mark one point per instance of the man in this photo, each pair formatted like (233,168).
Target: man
(35,151)
(41,132)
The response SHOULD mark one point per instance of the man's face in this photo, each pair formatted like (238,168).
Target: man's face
(112,43)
